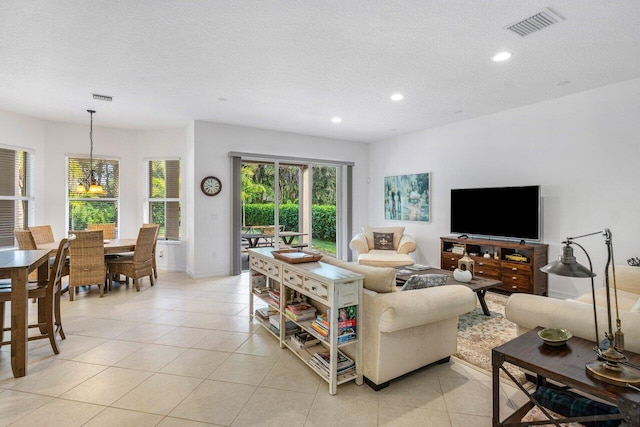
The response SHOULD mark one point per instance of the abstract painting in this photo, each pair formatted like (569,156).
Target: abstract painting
(406,197)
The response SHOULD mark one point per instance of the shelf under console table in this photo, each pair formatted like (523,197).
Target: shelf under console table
(328,289)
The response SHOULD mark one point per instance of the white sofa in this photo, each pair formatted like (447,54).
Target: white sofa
(364,244)
(529,311)
(404,331)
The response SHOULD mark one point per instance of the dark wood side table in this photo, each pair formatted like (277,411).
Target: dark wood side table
(565,365)
(479,285)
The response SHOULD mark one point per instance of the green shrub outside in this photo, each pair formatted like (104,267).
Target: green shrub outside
(323,218)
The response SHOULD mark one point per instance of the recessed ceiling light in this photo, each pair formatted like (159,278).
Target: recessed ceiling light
(458,112)
(565,82)
(222,99)
(336,120)
(502,56)
(397,97)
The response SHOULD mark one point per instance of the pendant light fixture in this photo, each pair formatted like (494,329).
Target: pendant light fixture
(90,183)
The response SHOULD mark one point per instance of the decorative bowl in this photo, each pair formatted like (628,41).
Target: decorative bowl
(554,337)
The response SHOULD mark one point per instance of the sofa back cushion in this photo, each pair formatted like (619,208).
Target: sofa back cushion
(378,279)
(397,234)
(627,278)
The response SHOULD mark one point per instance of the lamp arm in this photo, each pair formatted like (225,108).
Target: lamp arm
(593,286)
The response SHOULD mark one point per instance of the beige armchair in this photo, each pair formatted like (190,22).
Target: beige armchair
(376,248)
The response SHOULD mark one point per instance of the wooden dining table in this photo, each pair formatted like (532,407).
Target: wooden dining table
(17,265)
(111,246)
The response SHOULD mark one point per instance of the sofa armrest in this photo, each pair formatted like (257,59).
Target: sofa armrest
(406,244)
(396,311)
(359,244)
(530,311)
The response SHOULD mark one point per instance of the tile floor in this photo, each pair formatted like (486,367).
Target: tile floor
(184,353)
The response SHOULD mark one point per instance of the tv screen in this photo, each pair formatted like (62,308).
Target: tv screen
(510,212)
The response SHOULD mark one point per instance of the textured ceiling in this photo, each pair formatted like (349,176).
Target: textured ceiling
(292,65)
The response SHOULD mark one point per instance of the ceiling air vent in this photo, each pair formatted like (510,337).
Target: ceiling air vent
(102,97)
(539,21)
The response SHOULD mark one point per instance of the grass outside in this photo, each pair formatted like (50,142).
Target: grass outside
(324,246)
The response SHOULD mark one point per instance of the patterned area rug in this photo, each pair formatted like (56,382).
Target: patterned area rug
(478,334)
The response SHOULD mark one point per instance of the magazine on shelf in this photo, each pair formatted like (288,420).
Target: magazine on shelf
(299,317)
(265,312)
(343,360)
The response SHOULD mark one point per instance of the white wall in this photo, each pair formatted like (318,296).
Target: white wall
(582,149)
(212,215)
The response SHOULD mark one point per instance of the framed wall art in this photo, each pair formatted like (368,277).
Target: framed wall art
(406,197)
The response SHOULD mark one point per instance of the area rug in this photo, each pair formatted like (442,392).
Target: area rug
(478,334)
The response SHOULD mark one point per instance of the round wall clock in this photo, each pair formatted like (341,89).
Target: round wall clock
(211,186)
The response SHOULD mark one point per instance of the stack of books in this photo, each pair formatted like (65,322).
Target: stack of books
(346,324)
(457,249)
(300,311)
(321,361)
(261,290)
(275,296)
(303,339)
(265,313)
(289,326)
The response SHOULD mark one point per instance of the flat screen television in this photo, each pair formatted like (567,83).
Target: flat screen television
(504,212)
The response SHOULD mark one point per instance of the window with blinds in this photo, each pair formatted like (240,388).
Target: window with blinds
(163,197)
(87,208)
(15,200)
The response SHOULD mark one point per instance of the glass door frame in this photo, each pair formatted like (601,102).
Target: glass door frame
(344,204)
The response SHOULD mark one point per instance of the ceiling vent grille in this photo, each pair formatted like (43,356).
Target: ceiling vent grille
(103,97)
(537,22)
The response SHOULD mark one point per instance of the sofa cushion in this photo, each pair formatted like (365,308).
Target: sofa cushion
(378,279)
(383,241)
(376,258)
(626,300)
(397,234)
(421,281)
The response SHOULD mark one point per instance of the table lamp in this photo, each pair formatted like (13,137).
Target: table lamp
(611,366)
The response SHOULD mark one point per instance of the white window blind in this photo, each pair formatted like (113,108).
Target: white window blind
(15,176)
(163,197)
(86,208)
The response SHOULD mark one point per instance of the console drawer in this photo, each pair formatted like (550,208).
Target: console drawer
(319,289)
(292,278)
(271,269)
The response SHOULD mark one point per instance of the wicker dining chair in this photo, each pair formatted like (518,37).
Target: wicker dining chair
(86,261)
(26,242)
(47,294)
(155,243)
(140,264)
(108,229)
(42,234)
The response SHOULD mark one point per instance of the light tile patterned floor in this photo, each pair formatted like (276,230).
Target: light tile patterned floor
(184,353)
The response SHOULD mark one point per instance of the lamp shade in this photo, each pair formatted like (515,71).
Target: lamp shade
(566,265)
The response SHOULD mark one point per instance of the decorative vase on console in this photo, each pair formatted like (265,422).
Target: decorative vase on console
(466,267)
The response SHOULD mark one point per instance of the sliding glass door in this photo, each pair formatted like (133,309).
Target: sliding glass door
(289,204)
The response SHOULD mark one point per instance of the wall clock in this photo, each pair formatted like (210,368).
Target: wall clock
(211,186)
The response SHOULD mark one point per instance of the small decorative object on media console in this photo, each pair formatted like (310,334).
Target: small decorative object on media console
(406,197)
(610,368)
